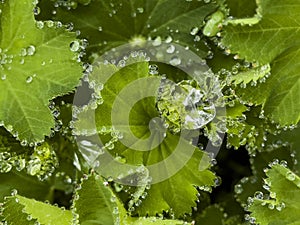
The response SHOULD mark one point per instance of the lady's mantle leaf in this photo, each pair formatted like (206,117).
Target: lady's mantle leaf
(108,24)
(24,211)
(282,207)
(95,202)
(36,65)
(274,40)
(177,191)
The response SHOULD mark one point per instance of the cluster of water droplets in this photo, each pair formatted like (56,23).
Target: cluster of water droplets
(184,106)
(142,181)
(43,162)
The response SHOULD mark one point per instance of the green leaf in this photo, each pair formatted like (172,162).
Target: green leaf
(249,129)
(249,185)
(283,205)
(26,185)
(213,214)
(289,140)
(110,24)
(216,215)
(273,40)
(37,65)
(250,41)
(241,8)
(23,211)
(95,203)
(279,94)
(178,191)
(253,74)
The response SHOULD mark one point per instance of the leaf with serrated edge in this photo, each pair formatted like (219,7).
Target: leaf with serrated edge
(249,185)
(283,206)
(178,191)
(18,210)
(273,40)
(95,202)
(37,66)
(107,24)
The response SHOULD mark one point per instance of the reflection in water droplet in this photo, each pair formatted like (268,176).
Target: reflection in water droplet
(30,50)
(194,30)
(74,46)
(29,79)
(171,49)
(157,41)
(175,61)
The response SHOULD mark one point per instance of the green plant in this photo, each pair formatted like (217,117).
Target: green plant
(149,112)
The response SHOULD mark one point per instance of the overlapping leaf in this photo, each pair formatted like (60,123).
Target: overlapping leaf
(25,211)
(275,40)
(177,191)
(108,24)
(283,205)
(96,203)
(36,66)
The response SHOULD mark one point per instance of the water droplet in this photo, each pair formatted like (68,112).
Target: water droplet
(259,195)
(74,46)
(140,10)
(175,61)
(157,41)
(36,10)
(9,128)
(3,77)
(29,79)
(171,49)
(24,143)
(153,69)
(290,176)
(14,192)
(115,210)
(169,39)
(30,50)
(238,189)
(280,206)
(194,31)
(40,24)
(100,28)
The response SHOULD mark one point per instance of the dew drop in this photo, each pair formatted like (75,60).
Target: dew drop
(169,39)
(171,49)
(24,143)
(40,24)
(140,10)
(238,189)
(29,79)
(157,41)
(175,61)
(153,69)
(14,192)
(290,176)
(259,195)
(194,31)
(3,77)
(74,46)
(36,10)
(30,50)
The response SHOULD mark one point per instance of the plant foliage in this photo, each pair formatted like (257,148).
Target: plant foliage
(225,140)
